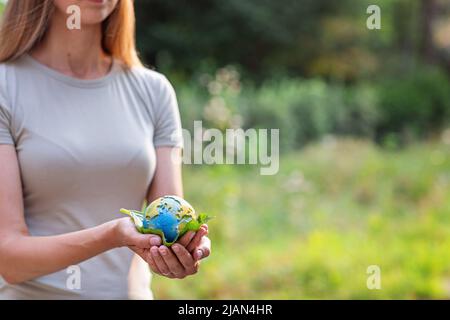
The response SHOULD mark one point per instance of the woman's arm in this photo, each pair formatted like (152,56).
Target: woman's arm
(182,258)
(24,257)
(167,179)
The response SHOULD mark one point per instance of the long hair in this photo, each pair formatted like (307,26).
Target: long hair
(25,22)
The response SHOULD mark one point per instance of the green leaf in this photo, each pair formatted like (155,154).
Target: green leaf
(125,211)
(144,205)
(136,216)
(203,218)
(195,224)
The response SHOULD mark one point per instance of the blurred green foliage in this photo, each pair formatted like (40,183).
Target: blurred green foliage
(263,36)
(312,230)
(415,104)
(309,67)
(403,109)
(269,39)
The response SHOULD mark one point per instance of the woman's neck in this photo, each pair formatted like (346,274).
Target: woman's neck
(76,53)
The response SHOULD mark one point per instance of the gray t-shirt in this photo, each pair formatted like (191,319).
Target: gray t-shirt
(86,148)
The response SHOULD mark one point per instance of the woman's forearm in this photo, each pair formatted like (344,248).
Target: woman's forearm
(24,257)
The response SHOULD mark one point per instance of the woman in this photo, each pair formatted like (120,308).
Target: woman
(85,129)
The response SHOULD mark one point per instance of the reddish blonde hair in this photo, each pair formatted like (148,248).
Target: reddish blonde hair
(25,22)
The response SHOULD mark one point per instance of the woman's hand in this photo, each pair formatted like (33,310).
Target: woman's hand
(178,261)
(182,258)
(127,235)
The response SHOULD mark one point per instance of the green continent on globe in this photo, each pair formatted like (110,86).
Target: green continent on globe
(169,217)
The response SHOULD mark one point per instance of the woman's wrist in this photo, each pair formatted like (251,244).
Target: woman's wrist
(112,234)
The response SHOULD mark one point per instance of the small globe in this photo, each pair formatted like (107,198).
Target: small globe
(168,216)
(173,204)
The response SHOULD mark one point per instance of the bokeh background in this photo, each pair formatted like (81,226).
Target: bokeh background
(364,115)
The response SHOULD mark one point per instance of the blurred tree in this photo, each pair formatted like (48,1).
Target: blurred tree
(288,37)
(428,12)
(263,36)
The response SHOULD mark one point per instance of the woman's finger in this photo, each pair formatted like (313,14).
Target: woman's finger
(144,240)
(172,262)
(147,257)
(141,252)
(185,258)
(186,238)
(151,262)
(159,261)
(203,250)
(195,242)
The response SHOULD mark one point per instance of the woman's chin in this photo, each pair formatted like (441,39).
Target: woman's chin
(93,18)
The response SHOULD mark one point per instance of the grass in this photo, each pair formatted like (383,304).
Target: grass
(312,230)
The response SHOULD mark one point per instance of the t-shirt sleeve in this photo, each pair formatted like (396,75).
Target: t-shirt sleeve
(5,124)
(168,131)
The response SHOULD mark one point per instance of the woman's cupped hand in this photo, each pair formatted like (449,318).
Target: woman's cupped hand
(177,261)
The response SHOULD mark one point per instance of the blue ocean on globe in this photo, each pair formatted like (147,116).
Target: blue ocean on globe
(166,221)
